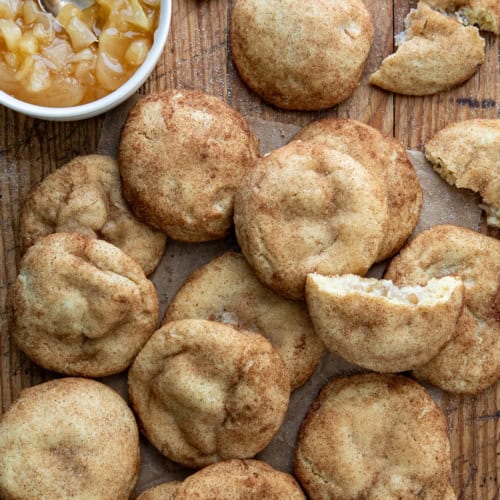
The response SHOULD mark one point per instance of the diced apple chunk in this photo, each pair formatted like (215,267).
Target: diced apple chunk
(11,59)
(11,33)
(8,9)
(39,79)
(28,43)
(137,52)
(134,14)
(81,35)
(30,12)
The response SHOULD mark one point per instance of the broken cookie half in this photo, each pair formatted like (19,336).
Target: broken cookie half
(382,327)
(435,53)
(483,13)
(467,155)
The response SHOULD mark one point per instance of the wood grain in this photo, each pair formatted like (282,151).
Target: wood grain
(198,56)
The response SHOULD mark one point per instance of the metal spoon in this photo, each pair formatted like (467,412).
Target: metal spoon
(54,6)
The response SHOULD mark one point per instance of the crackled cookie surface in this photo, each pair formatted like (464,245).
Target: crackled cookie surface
(301,57)
(244,479)
(436,54)
(206,392)
(68,438)
(81,306)
(467,155)
(374,436)
(308,208)
(470,361)
(182,156)
(379,326)
(227,290)
(387,160)
(85,196)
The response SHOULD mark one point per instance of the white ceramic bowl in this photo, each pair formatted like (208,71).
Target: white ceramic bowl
(110,101)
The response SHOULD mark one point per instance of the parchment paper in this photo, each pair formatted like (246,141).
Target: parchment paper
(443,204)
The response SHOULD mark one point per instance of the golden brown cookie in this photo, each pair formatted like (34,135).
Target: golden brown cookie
(81,306)
(379,326)
(308,208)
(206,392)
(301,57)
(182,156)
(227,290)
(470,361)
(483,13)
(85,196)
(164,491)
(374,436)
(435,53)
(240,479)
(467,155)
(385,158)
(68,438)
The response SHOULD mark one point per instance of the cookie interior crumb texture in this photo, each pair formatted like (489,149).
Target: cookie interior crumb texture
(379,326)
(483,13)
(470,361)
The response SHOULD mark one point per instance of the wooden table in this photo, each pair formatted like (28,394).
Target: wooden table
(197,56)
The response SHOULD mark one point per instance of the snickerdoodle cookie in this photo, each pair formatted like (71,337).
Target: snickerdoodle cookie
(374,436)
(301,56)
(467,155)
(81,306)
(386,159)
(307,208)
(164,491)
(182,156)
(435,53)
(227,290)
(85,196)
(68,438)
(470,361)
(379,326)
(240,479)
(483,13)
(206,392)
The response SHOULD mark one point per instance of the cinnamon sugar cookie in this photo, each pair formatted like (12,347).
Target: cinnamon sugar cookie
(483,13)
(436,53)
(164,491)
(301,57)
(85,196)
(227,290)
(379,326)
(68,438)
(240,479)
(374,436)
(182,156)
(81,306)
(467,155)
(308,208)
(470,361)
(387,160)
(206,392)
